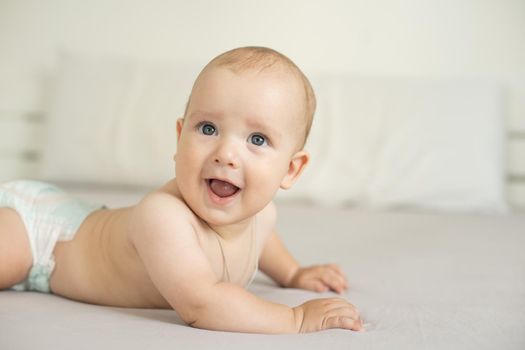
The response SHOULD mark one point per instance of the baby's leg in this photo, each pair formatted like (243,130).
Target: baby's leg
(15,252)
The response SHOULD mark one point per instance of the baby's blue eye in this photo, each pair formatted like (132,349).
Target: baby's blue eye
(207,129)
(258,140)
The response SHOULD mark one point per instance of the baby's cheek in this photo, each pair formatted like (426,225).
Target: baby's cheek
(258,198)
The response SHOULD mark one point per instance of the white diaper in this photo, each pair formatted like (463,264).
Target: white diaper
(49,215)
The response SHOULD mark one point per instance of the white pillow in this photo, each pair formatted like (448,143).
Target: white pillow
(408,143)
(113,120)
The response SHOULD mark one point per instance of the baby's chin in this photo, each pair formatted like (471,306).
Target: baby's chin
(221,218)
(217,218)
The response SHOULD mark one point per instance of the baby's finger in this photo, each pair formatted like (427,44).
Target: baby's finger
(317,286)
(346,310)
(333,281)
(338,269)
(343,322)
(338,307)
(335,273)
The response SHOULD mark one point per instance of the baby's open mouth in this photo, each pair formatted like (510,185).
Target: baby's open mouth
(221,188)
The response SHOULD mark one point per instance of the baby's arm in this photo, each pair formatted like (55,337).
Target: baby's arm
(277,262)
(166,242)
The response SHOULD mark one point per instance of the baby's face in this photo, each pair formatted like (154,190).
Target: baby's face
(238,142)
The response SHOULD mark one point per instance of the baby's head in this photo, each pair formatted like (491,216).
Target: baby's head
(259,59)
(243,132)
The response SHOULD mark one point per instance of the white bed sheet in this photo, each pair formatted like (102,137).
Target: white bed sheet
(421,281)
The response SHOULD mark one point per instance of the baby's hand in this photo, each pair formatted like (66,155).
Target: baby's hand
(319,314)
(320,278)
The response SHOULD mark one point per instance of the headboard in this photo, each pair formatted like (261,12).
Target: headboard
(21,141)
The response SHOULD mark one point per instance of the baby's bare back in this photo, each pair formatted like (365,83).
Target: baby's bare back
(101,266)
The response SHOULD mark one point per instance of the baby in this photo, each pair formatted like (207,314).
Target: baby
(195,243)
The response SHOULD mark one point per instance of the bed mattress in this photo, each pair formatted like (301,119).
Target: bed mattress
(420,280)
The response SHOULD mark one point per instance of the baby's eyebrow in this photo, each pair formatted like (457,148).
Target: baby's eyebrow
(266,128)
(205,114)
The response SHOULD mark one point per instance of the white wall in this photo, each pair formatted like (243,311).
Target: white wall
(481,38)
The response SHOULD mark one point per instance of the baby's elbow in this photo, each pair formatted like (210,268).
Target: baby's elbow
(191,313)
(196,323)
(198,317)
(200,310)
(194,308)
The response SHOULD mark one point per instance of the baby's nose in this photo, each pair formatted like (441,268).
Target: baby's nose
(227,155)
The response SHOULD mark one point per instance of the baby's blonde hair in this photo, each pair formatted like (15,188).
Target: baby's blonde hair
(260,58)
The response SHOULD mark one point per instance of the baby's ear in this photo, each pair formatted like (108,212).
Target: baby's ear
(180,124)
(295,168)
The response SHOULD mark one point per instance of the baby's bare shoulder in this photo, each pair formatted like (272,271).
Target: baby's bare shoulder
(162,201)
(161,213)
(159,204)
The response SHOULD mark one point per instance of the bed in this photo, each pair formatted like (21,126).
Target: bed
(421,281)
(408,190)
